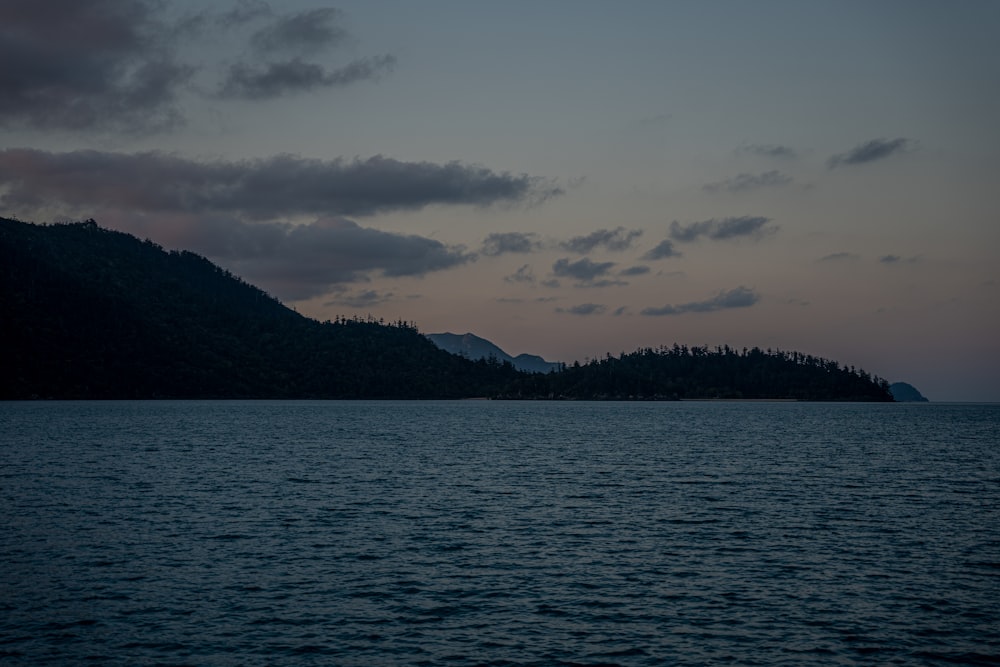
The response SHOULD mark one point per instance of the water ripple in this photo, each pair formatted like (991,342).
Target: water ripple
(482,533)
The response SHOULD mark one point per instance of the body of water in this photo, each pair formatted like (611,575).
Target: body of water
(499,533)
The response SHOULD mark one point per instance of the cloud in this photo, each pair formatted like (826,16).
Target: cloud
(119,65)
(638,270)
(84,65)
(583,270)
(209,207)
(897,259)
(583,309)
(719,230)
(302,33)
(870,151)
(740,297)
(298,261)
(768,150)
(522,275)
(744,182)
(662,250)
(296,76)
(612,239)
(279,48)
(838,257)
(283,185)
(509,242)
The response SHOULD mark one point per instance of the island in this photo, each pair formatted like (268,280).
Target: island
(906,393)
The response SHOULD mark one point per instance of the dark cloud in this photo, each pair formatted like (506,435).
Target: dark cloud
(663,250)
(302,33)
(279,186)
(719,230)
(634,271)
(583,270)
(209,207)
(551,282)
(299,261)
(522,275)
(838,257)
(612,239)
(509,242)
(583,309)
(618,312)
(897,259)
(740,297)
(119,65)
(297,76)
(876,149)
(768,150)
(744,182)
(291,38)
(107,64)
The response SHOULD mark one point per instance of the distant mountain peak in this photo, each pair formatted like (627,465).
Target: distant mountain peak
(474,347)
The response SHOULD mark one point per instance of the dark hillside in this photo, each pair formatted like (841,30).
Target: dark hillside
(92,313)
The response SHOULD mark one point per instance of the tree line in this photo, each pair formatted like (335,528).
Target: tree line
(681,372)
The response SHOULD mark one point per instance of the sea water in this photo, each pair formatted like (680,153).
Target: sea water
(499,533)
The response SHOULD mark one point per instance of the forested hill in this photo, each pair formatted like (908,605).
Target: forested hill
(86,312)
(678,372)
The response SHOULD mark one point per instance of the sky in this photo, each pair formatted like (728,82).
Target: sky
(564,178)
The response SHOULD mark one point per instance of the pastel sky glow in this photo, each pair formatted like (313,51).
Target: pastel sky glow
(564,178)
